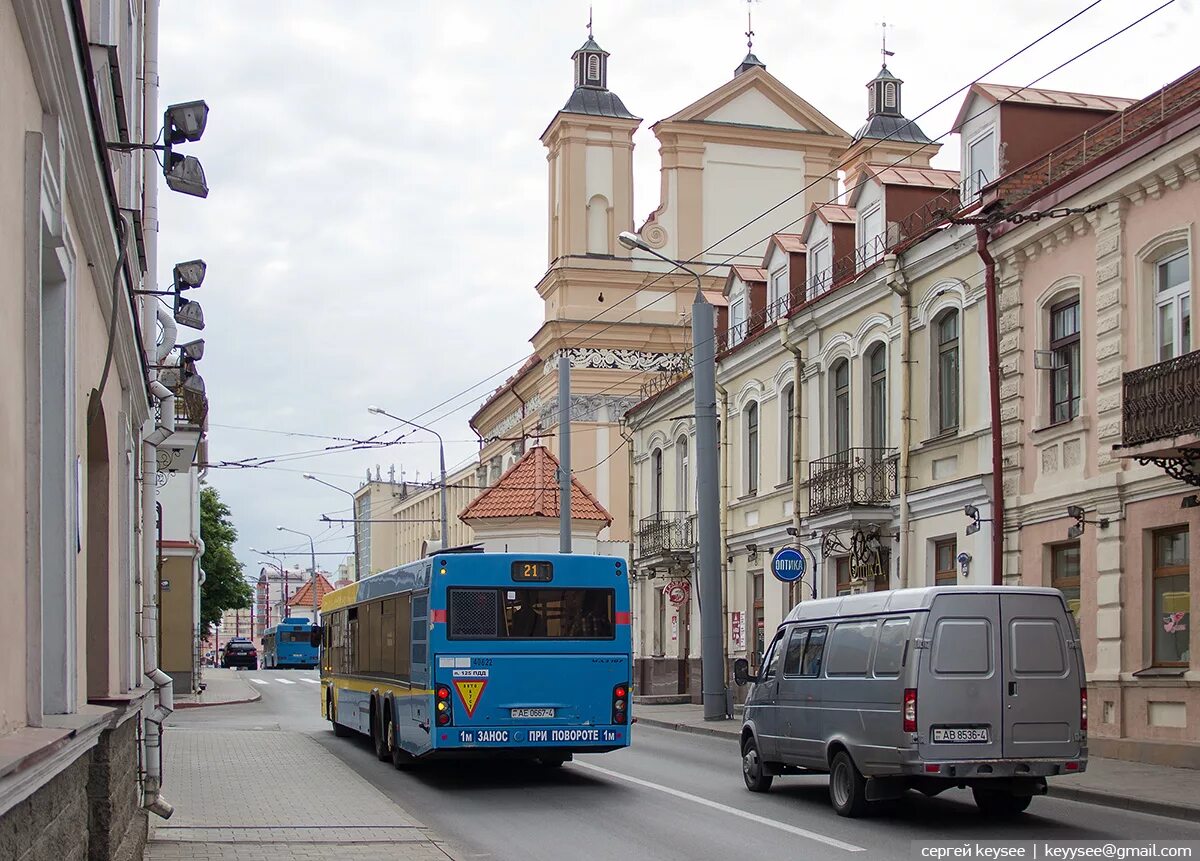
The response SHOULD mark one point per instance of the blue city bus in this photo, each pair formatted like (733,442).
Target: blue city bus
(466,652)
(289,644)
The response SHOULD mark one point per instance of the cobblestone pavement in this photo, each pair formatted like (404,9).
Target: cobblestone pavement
(254,795)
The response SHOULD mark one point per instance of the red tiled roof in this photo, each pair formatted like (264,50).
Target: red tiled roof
(792,243)
(303,596)
(750,274)
(530,489)
(1045,98)
(835,213)
(923,177)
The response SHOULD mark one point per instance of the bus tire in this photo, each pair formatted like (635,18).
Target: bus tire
(401,758)
(382,726)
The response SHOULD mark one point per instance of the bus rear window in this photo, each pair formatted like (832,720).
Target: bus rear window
(531,614)
(296,637)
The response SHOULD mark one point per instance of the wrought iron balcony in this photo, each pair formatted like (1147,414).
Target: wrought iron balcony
(852,477)
(1162,401)
(666,533)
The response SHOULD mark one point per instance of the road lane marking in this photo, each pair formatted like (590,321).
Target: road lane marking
(312,681)
(260,681)
(285,681)
(725,808)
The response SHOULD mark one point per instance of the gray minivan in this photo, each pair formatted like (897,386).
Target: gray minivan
(925,689)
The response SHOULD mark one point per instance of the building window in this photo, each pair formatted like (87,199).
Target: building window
(947,372)
(757,618)
(944,571)
(1172,596)
(788,431)
(1173,307)
(656,481)
(877,368)
(870,236)
(660,616)
(779,291)
(1064,344)
(682,482)
(593,67)
(1064,574)
(737,320)
(981,160)
(841,567)
(752,448)
(889,95)
(819,267)
(841,406)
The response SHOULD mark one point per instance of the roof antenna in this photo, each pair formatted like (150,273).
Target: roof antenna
(884,51)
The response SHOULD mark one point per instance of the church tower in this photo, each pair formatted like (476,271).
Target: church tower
(590,143)
(888,137)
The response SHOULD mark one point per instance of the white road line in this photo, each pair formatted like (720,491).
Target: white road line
(312,681)
(260,681)
(761,820)
(285,681)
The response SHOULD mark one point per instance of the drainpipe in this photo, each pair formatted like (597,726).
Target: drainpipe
(723,420)
(633,615)
(899,286)
(794,428)
(982,235)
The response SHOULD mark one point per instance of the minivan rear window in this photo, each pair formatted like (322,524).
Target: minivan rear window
(889,652)
(850,648)
(1037,647)
(962,647)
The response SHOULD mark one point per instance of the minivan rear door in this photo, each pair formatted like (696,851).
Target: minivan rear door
(959,687)
(1042,677)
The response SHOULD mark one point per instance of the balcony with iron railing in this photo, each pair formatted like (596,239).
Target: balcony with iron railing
(1161,405)
(666,534)
(852,477)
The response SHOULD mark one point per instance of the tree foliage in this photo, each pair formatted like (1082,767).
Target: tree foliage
(224,587)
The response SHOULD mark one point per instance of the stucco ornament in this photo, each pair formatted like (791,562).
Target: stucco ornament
(602,358)
(654,235)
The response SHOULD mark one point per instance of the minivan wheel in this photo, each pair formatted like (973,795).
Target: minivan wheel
(998,803)
(756,777)
(847,786)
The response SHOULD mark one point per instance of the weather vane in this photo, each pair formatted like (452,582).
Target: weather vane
(884,51)
(749,26)
(589,20)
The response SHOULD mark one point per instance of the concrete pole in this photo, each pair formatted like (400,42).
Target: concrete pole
(704,387)
(564,452)
(312,547)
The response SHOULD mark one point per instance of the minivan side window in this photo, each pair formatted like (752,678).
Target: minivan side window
(771,660)
(795,651)
(891,648)
(814,651)
(850,648)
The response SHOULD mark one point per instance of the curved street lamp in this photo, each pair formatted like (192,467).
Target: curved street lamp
(313,550)
(353,517)
(377,411)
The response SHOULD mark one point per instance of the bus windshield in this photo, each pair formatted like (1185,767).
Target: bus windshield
(530,614)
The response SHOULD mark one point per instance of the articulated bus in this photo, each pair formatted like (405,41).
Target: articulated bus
(468,652)
(289,644)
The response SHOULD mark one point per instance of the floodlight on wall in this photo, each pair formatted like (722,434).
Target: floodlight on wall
(194,384)
(182,123)
(1077,512)
(189,274)
(189,313)
(973,512)
(194,350)
(185,174)
(185,121)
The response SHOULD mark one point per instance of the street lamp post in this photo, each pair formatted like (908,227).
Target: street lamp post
(313,550)
(282,573)
(353,517)
(441,454)
(704,390)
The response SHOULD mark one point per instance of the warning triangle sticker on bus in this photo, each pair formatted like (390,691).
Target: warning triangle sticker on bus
(469,691)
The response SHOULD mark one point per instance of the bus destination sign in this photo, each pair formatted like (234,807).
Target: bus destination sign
(535,572)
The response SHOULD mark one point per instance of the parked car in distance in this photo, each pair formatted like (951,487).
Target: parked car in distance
(924,689)
(240,653)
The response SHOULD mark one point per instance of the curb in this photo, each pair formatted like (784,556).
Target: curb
(1065,793)
(1124,802)
(251,699)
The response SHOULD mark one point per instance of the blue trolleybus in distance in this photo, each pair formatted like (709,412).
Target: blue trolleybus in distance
(465,652)
(289,644)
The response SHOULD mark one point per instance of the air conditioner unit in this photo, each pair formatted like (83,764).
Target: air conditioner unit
(1046,360)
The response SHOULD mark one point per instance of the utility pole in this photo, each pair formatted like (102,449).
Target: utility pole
(564,452)
(708,526)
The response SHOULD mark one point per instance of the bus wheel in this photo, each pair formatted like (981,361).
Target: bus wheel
(339,730)
(401,758)
(383,728)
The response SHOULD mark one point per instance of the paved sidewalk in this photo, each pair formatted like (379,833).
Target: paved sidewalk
(271,795)
(222,688)
(1136,786)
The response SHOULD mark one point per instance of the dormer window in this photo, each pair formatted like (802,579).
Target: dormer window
(593,68)
(778,291)
(737,320)
(981,163)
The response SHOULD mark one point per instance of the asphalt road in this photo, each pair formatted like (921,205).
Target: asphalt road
(670,796)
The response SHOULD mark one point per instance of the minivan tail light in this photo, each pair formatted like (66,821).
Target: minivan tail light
(1083,709)
(910,709)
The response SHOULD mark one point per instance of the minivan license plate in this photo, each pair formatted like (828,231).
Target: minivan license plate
(532,713)
(960,735)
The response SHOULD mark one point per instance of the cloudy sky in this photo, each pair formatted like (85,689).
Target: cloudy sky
(376,221)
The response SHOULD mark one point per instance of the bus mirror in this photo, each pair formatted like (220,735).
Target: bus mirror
(314,638)
(741,672)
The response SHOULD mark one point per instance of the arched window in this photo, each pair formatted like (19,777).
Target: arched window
(841,406)
(1173,306)
(593,68)
(889,95)
(787,433)
(946,376)
(597,225)
(683,502)
(752,448)
(1064,344)
(656,481)
(877,381)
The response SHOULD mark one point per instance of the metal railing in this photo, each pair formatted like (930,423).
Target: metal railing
(1172,100)
(666,532)
(1161,401)
(756,322)
(854,476)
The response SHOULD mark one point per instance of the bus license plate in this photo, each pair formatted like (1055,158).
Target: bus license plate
(531,713)
(959,735)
